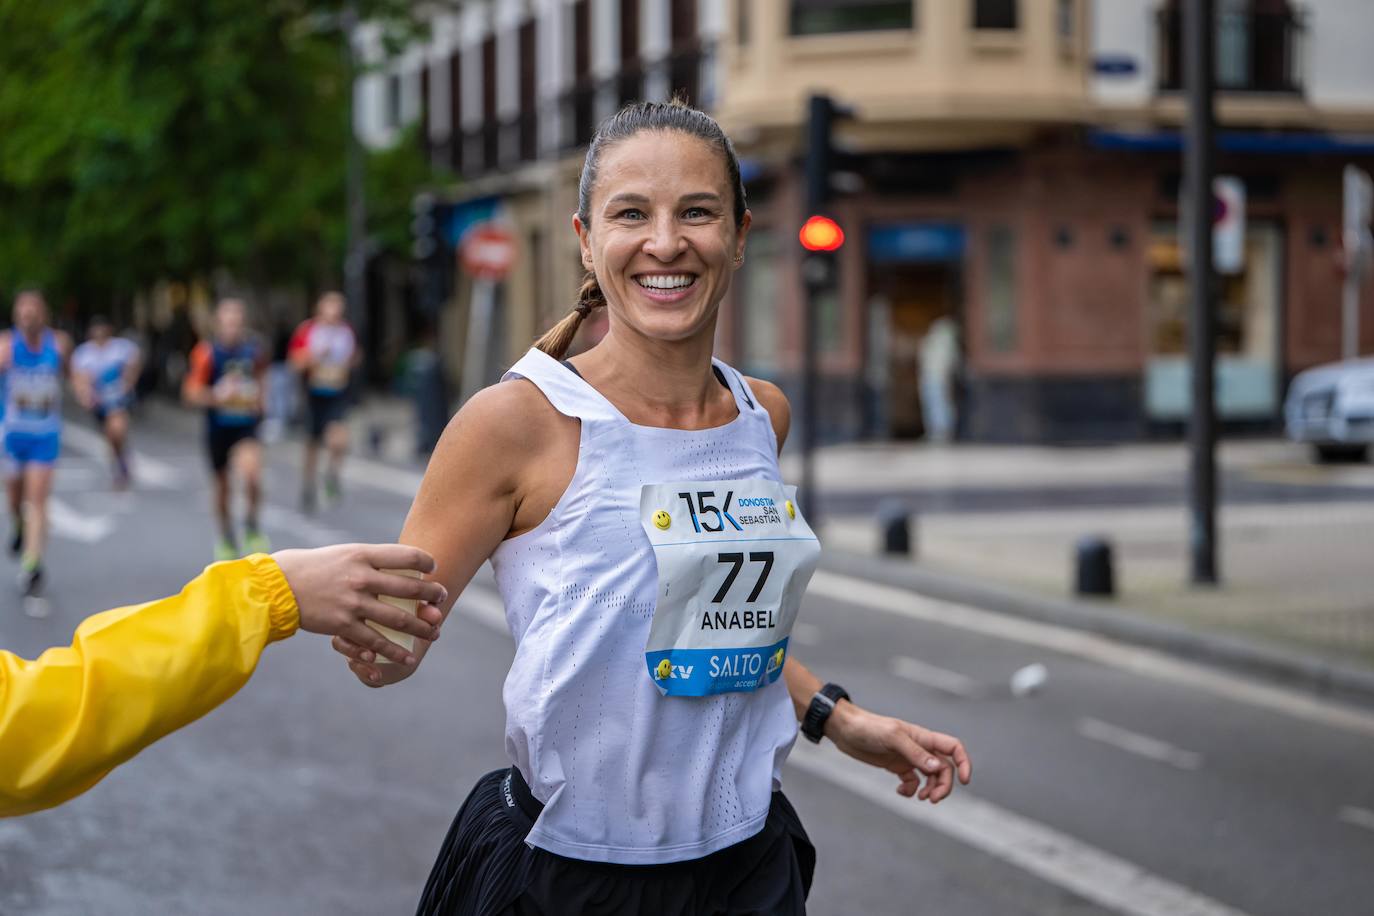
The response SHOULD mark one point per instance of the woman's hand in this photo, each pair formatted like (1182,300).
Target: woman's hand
(336,590)
(901,748)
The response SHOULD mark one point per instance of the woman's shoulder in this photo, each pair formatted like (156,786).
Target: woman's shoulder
(772,399)
(512,419)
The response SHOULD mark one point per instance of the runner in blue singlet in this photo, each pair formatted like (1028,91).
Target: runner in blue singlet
(33,358)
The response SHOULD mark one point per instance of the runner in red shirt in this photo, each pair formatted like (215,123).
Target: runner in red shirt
(325,351)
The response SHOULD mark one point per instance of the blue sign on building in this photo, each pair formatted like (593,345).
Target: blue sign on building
(915,243)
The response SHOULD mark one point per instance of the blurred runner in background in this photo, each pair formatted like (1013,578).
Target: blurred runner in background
(33,356)
(105,373)
(325,351)
(226,378)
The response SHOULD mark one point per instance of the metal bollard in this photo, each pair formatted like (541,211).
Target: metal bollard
(894,521)
(1093,567)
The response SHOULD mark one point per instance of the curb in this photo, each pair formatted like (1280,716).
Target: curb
(1294,669)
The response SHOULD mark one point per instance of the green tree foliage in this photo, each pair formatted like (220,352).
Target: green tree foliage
(151,139)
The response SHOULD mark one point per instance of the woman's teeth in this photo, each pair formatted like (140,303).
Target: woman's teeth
(678,281)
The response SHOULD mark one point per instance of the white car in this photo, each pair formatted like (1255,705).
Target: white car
(1332,407)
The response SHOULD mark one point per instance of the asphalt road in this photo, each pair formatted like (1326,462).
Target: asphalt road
(1129,783)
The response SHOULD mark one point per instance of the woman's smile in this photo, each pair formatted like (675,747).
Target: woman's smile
(667,288)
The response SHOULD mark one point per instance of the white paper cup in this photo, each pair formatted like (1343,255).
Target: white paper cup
(409,605)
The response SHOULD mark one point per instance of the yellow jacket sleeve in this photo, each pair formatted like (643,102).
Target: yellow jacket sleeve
(132,675)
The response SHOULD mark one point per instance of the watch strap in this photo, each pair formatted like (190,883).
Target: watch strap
(818,713)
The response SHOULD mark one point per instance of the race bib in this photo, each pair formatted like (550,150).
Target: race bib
(238,395)
(35,395)
(734,558)
(329,377)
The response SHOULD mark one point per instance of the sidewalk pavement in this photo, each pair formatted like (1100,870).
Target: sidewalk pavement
(1297,572)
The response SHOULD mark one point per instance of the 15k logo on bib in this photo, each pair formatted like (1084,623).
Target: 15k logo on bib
(734,558)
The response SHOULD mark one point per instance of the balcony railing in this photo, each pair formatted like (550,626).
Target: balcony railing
(1255,52)
(515,140)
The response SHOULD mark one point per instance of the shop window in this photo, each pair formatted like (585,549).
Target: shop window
(995,14)
(1247,327)
(822,17)
(999,291)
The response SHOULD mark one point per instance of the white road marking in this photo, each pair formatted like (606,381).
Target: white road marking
(301,528)
(806,634)
(71,525)
(1359,817)
(147,470)
(1091,873)
(939,678)
(398,481)
(1138,744)
(1100,649)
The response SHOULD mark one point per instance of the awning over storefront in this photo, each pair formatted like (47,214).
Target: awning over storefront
(915,243)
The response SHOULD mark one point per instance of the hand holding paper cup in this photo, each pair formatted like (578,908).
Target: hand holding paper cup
(409,605)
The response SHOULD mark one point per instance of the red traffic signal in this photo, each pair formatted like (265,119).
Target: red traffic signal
(821,233)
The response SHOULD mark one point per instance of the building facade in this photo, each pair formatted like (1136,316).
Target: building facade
(1015,170)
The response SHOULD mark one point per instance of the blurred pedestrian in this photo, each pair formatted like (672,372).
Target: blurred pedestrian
(939,362)
(105,372)
(280,399)
(620,496)
(135,674)
(325,351)
(33,357)
(226,379)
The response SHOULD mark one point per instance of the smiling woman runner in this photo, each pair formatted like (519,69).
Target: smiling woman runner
(652,564)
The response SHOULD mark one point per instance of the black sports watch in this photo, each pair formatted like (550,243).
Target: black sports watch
(822,705)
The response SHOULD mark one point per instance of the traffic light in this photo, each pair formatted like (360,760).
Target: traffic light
(823,160)
(821,233)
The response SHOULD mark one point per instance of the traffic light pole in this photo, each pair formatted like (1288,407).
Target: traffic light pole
(811,268)
(1198,32)
(818,275)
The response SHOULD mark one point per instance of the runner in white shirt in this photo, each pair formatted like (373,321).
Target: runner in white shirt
(652,563)
(325,351)
(105,375)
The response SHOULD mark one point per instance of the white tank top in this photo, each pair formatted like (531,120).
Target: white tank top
(626,774)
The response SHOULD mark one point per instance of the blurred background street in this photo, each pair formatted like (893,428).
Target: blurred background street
(995,419)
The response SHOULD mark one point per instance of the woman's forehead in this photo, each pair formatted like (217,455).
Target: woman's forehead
(653,163)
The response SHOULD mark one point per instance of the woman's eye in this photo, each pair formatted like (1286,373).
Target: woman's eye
(696,213)
(631,213)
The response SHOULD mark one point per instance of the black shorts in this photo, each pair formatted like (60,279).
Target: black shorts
(221,439)
(485,869)
(325,409)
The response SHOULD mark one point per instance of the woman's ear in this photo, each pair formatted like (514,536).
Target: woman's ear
(743,233)
(584,241)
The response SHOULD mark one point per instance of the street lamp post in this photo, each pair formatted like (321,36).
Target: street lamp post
(1198,31)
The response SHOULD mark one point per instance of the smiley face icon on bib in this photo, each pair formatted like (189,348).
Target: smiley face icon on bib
(662,520)
(664,670)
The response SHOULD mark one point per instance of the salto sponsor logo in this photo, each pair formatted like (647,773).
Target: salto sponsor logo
(506,792)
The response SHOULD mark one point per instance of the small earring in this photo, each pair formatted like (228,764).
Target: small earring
(739,259)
